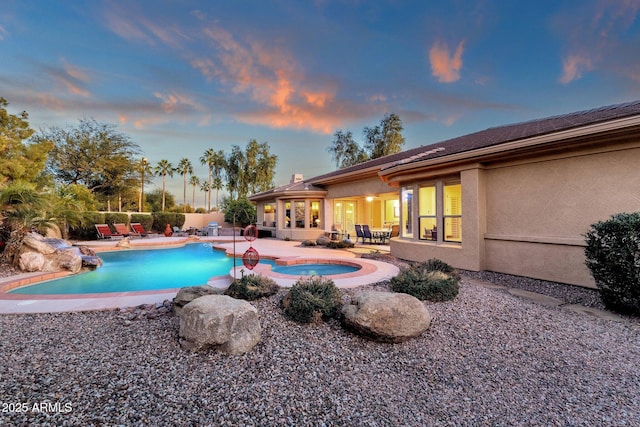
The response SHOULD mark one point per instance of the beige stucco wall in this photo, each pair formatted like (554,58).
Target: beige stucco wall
(358,188)
(538,212)
(528,217)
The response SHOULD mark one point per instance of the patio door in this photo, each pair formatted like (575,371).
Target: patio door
(344,216)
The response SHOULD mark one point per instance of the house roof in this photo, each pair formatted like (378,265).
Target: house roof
(490,137)
(297,189)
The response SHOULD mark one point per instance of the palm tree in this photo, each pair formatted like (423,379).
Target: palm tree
(205,187)
(164,168)
(208,158)
(184,167)
(194,181)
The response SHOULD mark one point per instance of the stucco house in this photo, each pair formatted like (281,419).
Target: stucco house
(515,199)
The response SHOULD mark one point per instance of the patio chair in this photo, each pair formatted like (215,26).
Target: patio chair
(122,230)
(138,229)
(359,233)
(366,232)
(395,231)
(104,232)
(178,232)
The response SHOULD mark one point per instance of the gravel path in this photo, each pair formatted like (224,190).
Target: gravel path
(489,358)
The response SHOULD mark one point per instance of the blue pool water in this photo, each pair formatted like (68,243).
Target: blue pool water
(143,270)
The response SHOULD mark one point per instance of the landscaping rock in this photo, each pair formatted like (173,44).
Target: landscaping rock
(220,322)
(31,261)
(386,316)
(323,241)
(188,294)
(39,253)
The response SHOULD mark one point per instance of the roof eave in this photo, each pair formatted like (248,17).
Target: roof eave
(392,173)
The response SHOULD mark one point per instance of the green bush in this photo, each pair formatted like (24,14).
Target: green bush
(433,280)
(87,230)
(613,258)
(161,219)
(311,299)
(116,218)
(309,243)
(251,287)
(145,219)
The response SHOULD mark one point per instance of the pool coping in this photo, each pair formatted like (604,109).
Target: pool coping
(286,253)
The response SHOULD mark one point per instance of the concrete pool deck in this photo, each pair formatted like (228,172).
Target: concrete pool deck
(287,252)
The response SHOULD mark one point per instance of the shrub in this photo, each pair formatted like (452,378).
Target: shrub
(340,244)
(251,287)
(309,243)
(161,219)
(116,218)
(433,280)
(613,258)
(87,231)
(311,299)
(145,219)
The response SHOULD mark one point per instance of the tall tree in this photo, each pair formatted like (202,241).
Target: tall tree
(209,159)
(164,168)
(219,167)
(95,155)
(260,166)
(386,138)
(19,160)
(185,167)
(205,188)
(194,181)
(345,151)
(236,173)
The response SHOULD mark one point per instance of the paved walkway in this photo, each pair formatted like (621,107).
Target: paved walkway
(285,251)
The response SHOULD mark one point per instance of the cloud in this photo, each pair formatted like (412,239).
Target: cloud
(3,33)
(273,79)
(573,67)
(445,66)
(174,101)
(597,38)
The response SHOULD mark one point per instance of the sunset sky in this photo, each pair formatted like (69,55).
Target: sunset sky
(180,77)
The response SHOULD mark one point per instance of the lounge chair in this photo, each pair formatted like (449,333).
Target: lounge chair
(104,232)
(138,229)
(366,232)
(122,230)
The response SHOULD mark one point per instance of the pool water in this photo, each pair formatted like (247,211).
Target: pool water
(144,270)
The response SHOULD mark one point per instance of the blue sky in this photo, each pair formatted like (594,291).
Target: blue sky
(180,77)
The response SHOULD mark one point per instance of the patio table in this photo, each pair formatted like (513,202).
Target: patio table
(380,236)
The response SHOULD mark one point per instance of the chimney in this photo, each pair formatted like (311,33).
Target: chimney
(296,177)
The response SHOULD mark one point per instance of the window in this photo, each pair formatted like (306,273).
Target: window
(314,214)
(452,213)
(438,209)
(299,218)
(427,215)
(287,214)
(407,212)
(269,215)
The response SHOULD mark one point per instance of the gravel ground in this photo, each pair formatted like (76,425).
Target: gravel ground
(489,358)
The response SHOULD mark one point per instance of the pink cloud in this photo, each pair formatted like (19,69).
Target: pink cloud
(573,66)
(271,77)
(444,65)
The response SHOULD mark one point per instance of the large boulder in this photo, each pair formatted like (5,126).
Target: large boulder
(189,293)
(38,253)
(220,322)
(31,261)
(386,316)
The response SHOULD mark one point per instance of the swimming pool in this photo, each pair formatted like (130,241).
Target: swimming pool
(145,270)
